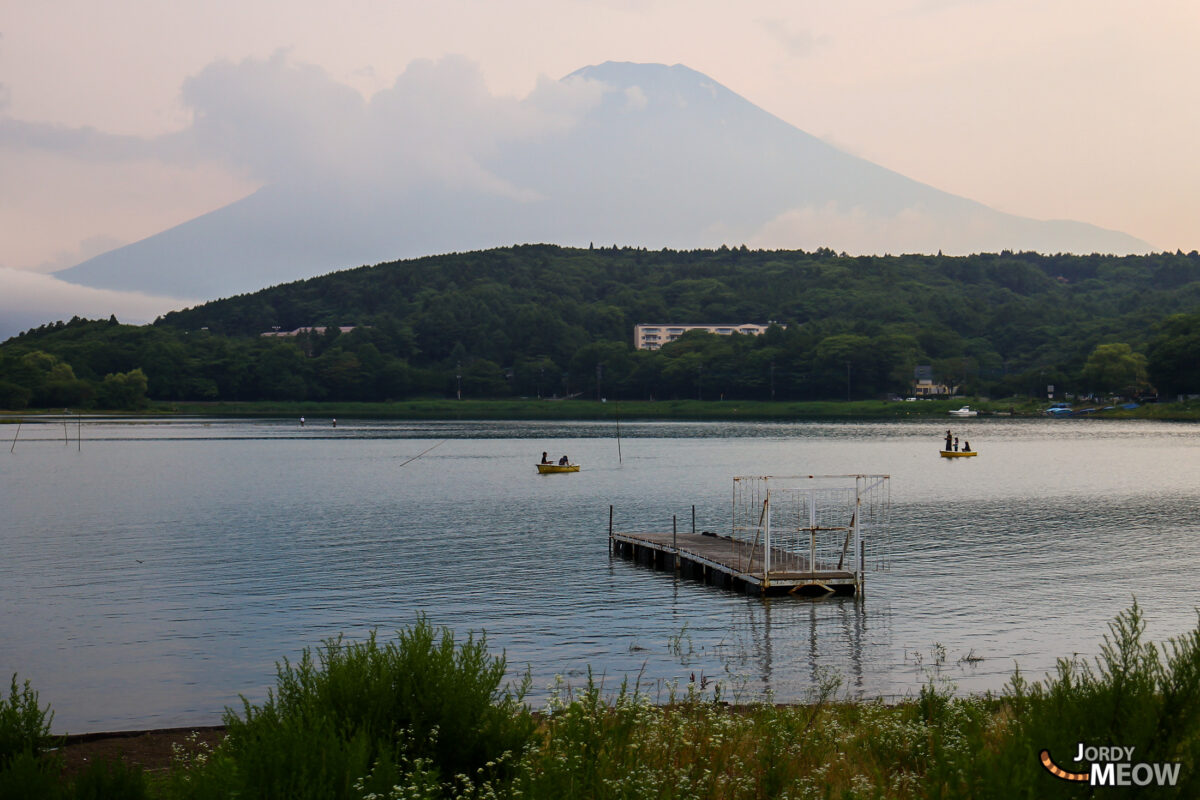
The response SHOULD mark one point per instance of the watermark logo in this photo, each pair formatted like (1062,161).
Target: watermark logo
(1113,766)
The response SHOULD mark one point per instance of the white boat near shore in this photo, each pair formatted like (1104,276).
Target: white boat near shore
(965,411)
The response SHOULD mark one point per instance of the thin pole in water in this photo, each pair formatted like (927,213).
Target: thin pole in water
(79,432)
(14,444)
(423,452)
(619,459)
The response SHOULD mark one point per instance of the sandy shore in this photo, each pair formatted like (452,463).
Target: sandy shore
(151,750)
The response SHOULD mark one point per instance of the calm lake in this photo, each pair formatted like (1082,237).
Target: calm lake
(151,571)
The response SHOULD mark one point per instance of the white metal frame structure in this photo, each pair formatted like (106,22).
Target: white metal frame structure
(818,529)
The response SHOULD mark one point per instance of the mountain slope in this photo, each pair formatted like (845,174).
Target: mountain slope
(666,157)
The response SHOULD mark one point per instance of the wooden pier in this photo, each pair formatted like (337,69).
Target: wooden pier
(800,534)
(726,562)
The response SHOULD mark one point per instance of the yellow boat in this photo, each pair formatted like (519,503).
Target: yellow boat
(958,453)
(547,468)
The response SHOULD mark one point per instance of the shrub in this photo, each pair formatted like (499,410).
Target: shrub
(26,776)
(24,725)
(357,715)
(110,780)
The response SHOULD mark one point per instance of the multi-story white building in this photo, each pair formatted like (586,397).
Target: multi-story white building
(652,337)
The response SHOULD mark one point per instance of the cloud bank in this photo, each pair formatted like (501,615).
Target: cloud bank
(279,122)
(31,299)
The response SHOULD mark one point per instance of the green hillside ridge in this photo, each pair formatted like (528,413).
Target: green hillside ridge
(546,321)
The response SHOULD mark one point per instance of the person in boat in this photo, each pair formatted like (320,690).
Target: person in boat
(545,457)
(562,462)
(948,440)
(966,447)
(956,444)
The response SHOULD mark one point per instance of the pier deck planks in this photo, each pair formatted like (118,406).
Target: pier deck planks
(724,561)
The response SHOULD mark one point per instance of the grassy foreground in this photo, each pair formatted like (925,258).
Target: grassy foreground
(425,717)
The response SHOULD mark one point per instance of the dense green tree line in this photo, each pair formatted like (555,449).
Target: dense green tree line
(43,380)
(541,320)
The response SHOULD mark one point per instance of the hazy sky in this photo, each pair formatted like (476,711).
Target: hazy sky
(115,123)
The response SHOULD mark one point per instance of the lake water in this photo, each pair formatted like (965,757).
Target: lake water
(151,571)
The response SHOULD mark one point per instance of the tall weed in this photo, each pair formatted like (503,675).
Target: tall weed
(1134,694)
(24,724)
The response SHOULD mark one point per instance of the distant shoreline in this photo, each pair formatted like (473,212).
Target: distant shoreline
(441,409)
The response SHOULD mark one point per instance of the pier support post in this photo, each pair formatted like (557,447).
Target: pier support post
(675,541)
(767,542)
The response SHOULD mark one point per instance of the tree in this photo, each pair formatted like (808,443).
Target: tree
(13,397)
(280,371)
(124,391)
(1175,354)
(1115,368)
(837,360)
(484,378)
(340,374)
(615,362)
(536,376)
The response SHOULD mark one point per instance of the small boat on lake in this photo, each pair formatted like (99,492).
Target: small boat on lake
(545,469)
(958,453)
(965,411)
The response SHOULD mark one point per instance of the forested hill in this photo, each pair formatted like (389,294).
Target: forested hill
(542,299)
(539,319)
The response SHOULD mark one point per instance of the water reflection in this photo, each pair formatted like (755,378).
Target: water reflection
(160,568)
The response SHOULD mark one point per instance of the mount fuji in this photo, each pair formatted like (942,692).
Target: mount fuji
(660,156)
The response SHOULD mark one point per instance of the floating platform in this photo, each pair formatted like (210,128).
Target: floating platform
(731,564)
(798,534)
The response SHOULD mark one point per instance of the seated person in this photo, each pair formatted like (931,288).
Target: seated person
(563,461)
(545,457)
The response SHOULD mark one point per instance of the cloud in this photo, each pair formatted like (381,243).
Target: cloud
(440,122)
(970,228)
(29,299)
(91,246)
(276,121)
(858,231)
(798,43)
(85,144)
(300,134)
(635,99)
